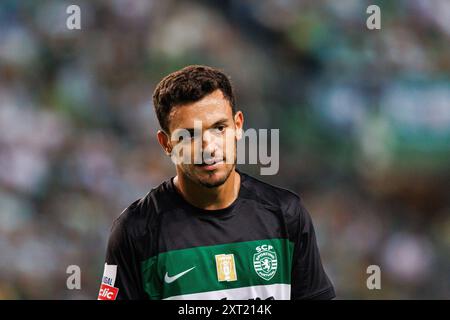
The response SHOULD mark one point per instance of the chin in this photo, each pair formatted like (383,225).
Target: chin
(212,183)
(214,178)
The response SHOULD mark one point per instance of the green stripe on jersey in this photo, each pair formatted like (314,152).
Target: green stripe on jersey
(218,267)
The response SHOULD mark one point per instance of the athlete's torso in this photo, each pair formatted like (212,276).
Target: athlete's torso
(245,251)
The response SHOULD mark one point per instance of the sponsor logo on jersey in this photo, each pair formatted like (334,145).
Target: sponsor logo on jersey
(170,279)
(107,292)
(265,261)
(109,274)
(107,289)
(226,268)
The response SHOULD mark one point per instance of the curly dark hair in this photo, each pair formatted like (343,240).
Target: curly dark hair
(186,85)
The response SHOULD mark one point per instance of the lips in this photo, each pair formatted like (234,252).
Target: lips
(210,161)
(211,165)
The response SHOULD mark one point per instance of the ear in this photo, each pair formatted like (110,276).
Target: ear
(239,124)
(164,141)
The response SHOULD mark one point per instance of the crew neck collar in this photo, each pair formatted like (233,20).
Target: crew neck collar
(208,212)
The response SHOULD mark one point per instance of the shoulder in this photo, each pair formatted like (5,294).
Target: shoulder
(274,196)
(284,201)
(139,218)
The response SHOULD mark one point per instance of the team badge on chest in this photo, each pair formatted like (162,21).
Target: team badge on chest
(265,262)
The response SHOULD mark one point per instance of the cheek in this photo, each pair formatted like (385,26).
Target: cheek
(229,140)
(183,153)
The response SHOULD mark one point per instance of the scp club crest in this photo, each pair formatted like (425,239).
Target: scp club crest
(265,262)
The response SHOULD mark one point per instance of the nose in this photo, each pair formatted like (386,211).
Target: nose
(208,144)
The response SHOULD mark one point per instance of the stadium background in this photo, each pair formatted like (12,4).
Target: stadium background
(364,119)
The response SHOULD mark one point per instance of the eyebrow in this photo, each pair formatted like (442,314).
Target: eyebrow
(215,124)
(220,122)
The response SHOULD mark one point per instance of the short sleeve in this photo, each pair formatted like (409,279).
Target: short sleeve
(309,280)
(122,278)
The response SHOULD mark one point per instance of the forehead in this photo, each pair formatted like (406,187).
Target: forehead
(208,110)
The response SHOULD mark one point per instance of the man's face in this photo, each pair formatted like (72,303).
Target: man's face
(213,131)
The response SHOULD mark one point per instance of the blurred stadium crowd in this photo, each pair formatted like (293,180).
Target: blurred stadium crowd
(364,119)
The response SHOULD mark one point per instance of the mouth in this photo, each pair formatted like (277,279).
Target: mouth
(210,165)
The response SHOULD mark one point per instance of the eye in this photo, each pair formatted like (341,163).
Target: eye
(220,128)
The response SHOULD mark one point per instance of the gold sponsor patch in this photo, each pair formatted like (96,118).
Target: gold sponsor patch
(226,268)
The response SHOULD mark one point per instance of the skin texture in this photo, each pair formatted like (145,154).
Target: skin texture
(214,184)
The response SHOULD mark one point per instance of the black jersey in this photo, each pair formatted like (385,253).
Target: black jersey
(262,246)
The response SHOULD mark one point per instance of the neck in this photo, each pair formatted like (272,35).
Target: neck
(209,198)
